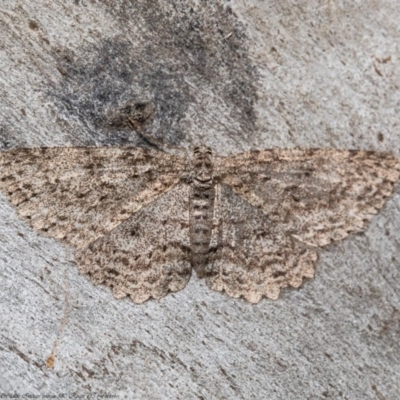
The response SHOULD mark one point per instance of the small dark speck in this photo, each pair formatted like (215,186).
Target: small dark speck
(377,70)
(62,71)
(380,137)
(385,60)
(33,25)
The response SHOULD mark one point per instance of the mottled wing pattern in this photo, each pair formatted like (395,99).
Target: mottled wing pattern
(272,205)
(251,255)
(126,210)
(148,255)
(80,194)
(317,196)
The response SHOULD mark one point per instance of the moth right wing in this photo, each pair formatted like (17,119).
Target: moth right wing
(146,256)
(79,194)
(316,195)
(250,255)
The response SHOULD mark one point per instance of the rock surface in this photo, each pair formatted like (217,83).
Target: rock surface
(235,75)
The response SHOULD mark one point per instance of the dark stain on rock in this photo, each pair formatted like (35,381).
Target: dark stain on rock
(169,54)
(132,115)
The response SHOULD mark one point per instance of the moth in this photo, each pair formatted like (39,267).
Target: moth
(250,224)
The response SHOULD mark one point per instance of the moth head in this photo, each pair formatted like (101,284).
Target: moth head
(202,151)
(202,164)
(202,156)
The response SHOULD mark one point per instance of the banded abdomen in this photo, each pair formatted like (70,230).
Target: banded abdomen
(201,222)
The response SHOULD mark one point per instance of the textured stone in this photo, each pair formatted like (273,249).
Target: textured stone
(257,75)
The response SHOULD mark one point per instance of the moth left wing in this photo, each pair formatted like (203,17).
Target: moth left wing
(316,196)
(80,194)
(147,255)
(250,255)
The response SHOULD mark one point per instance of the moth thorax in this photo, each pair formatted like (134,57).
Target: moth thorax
(202,167)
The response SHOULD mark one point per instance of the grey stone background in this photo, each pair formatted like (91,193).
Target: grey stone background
(236,75)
